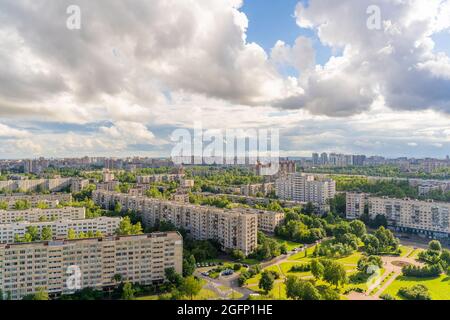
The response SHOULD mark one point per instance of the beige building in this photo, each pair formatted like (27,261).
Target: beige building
(63,267)
(60,228)
(78,185)
(305,188)
(155,178)
(423,217)
(355,204)
(52,200)
(51,185)
(233,229)
(35,214)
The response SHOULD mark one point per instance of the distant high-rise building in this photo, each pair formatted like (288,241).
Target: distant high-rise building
(315,158)
(324,158)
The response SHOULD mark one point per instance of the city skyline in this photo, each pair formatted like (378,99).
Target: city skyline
(122,83)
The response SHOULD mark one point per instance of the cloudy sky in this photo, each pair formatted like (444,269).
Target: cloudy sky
(137,70)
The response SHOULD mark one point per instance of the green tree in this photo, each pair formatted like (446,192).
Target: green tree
(435,246)
(266,282)
(173,277)
(189,265)
(3,205)
(317,269)
(47,233)
(358,228)
(190,287)
(126,228)
(33,232)
(298,289)
(334,273)
(71,234)
(128,291)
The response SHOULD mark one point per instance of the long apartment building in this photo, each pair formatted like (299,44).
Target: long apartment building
(305,188)
(52,200)
(233,229)
(27,185)
(35,214)
(60,228)
(427,218)
(51,265)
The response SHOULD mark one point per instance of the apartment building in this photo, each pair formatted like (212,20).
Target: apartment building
(268,220)
(78,185)
(60,228)
(305,188)
(253,189)
(155,178)
(52,200)
(52,265)
(233,229)
(423,217)
(26,185)
(35,214)
(355,204)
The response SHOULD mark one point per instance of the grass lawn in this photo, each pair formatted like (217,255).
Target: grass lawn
(439,287)
(286,267)
(154,297)
(352,259)
(301,255)
(278,291)
(290,245)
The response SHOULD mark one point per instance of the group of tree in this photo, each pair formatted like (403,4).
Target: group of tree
(303,228)
(346,239)
(22,205)
(267,280)
(179,287)
(382,241)
(72,234)
(416,292)
(436,259)
(329,271)
(250,273)
(298,289)
(267,248)
(33,234)
(127,228)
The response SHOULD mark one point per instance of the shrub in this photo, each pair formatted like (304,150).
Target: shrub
(387,296)
(417,292)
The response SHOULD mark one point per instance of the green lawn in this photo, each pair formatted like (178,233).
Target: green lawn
(278,291)
(290,245)
(301,255)
(439,287)
(286,267)
(352,259)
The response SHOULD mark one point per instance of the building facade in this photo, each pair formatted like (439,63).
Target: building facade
(52,200)
(36,215)
(355,205)
(60,228)
(63,267)
(305,188)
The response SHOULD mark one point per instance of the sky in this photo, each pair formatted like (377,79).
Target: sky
(352,76)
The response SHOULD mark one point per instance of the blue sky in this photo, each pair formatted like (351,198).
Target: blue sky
(273,20)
